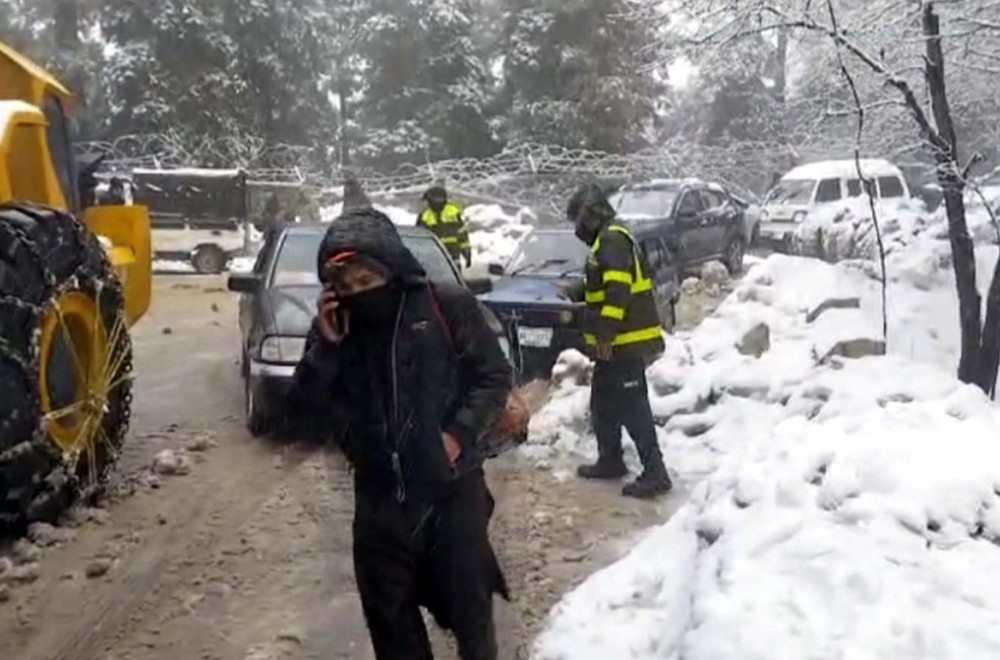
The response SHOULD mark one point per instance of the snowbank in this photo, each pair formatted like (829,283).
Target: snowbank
(839,508)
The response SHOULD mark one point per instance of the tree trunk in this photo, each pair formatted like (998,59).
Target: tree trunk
(949,176)
(989,360)
(66,17)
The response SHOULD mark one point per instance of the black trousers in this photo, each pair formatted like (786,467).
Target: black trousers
(619,398)
(408,556)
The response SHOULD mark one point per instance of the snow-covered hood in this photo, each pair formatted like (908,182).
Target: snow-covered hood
(528,290)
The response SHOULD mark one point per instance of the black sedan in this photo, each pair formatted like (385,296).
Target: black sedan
(278,306)
(538,297)
(700,221)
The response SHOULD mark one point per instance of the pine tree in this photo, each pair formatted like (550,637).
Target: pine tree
(576,74)
(425,88)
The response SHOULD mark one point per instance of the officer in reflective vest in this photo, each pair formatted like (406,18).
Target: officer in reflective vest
(445,220)
(622,330)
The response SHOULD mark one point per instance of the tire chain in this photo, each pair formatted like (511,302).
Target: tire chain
(62,483)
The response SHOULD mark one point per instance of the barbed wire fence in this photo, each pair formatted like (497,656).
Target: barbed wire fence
(534,175)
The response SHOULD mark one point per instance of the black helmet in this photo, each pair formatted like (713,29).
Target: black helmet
(589,210)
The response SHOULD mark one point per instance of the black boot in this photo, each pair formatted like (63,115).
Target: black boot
(648,485)
(603,469)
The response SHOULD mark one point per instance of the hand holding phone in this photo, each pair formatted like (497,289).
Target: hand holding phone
(334,321)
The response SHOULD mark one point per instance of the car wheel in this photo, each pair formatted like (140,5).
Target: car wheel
(257,421)
(734,255)
(208,259)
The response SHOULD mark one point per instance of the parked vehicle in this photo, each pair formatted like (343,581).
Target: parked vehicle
(811,188)
(539,295)
(279,301)
(699,221)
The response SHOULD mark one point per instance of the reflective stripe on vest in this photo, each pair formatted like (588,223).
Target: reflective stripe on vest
(451,214)
(646,334)
(638,283)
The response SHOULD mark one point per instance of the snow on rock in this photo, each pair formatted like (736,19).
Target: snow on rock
(838,508)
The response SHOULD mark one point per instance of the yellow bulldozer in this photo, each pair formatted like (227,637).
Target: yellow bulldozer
(73,280)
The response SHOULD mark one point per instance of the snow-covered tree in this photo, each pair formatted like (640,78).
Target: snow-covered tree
(424,91)
(576,74)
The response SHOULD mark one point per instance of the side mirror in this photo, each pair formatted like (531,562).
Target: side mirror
(243,282)
(495,269)
(480,285)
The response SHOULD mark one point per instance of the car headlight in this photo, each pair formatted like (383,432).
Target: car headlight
(799,216)
(283,350)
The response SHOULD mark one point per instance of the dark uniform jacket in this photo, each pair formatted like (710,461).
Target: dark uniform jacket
(621,308)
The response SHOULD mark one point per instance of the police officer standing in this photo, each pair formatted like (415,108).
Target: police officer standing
(445,220)
(623,332)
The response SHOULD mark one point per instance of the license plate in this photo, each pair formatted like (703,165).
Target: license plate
(534,337)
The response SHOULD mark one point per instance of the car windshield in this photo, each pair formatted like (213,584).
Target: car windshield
(551,253)
(644,203)
(796,191)
(296,262)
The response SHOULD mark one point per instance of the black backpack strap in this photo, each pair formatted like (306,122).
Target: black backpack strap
(440,315)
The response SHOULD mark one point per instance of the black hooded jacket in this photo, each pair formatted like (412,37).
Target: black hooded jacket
(387,395)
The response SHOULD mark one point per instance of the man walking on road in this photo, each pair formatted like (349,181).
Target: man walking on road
(623,332)
(445,220)
(406,376)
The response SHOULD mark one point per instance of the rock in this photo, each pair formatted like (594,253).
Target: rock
(713,290)
(171,463)
(292,637)
(21,574)
(714,272)
(78,516)
(4,593)
(98,567)
(756,341)
(45,535)
(25,552)
(161,519)
(215,308)
(691,286)
(201,442)
(833,303)
(6,566)
(854,349)
(168,330)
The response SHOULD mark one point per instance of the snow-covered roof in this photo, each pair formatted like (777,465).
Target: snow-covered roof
(191,171)
(9,108)
(843,169)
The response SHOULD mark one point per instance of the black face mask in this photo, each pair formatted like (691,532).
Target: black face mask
(374,307)
(587,230)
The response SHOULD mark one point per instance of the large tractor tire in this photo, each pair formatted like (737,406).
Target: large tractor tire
(65,364)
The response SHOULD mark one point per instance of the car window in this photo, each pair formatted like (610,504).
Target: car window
(690,204)
(644,203)
(792,191)
(296,260)
(712,199)
(549,252)
(828,190)
(854,187)
(891,187)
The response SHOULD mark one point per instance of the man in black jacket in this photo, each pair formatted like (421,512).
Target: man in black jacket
(406,376)
(623,331)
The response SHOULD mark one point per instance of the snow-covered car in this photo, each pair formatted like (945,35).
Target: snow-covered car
(539,295)
(279,301)
(822,186)
(699,221)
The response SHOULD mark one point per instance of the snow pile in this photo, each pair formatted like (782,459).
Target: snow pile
(495,234)
(842,508)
